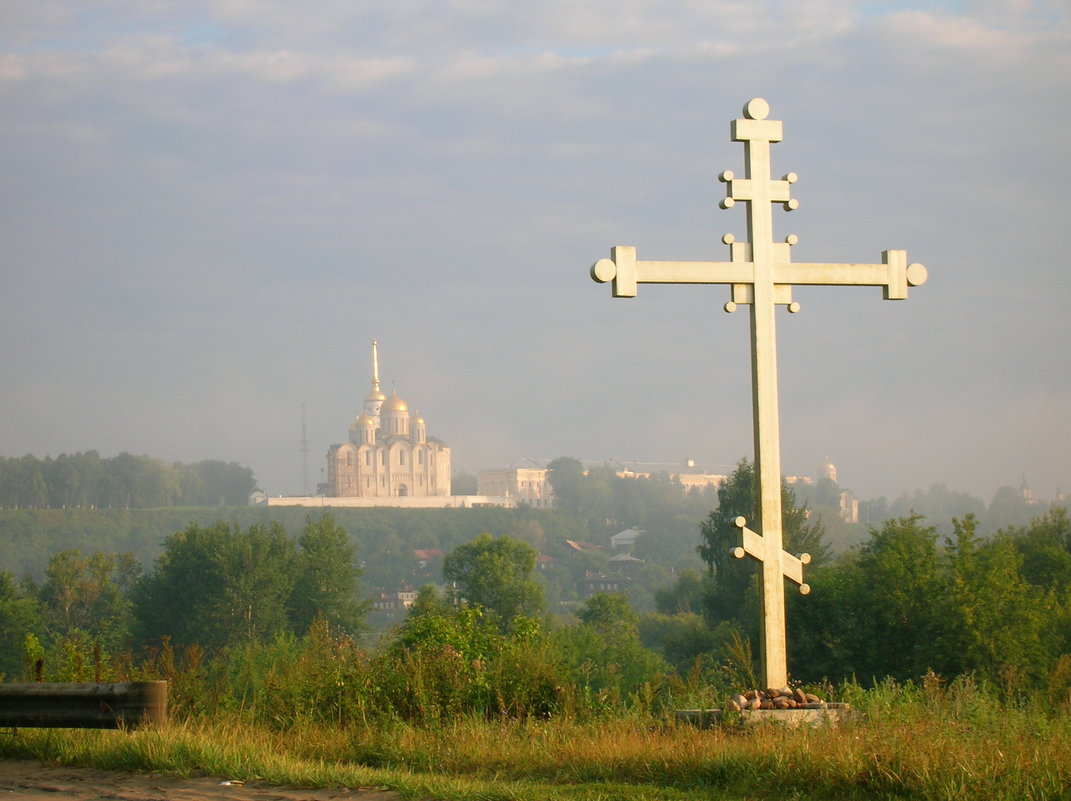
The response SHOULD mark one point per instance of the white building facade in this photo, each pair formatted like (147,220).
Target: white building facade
(527,485)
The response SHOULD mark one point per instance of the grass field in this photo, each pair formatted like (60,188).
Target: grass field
(928,741)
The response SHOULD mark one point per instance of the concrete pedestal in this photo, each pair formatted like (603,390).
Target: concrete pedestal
(831,714)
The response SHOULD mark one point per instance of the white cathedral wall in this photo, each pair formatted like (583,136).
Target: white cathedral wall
(386,471)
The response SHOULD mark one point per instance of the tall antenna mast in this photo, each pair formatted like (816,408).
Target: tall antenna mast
(304,455)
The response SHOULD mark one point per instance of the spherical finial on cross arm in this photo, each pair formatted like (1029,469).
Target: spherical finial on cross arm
(757,109)
(604,270)
(916,274)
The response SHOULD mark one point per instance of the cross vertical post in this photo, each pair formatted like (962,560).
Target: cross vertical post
(757,134)
(761,273)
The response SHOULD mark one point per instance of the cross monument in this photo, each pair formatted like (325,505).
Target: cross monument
(761,275)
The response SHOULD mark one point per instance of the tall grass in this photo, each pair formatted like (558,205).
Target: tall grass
(504,721)
(914,741)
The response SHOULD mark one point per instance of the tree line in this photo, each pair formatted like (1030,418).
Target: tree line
(227,611)
(89,481)
(240,603)
(214,587)
(905,601)
(604,499)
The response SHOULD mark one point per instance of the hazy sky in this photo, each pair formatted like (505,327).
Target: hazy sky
(209,208)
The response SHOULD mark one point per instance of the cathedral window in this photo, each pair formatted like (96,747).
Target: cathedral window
(401,457)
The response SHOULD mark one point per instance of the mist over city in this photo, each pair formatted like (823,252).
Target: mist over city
(210,210)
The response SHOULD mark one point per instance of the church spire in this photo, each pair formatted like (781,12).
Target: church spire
(375,366)
(375,398)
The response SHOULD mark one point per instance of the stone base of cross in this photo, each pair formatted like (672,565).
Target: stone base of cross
(761,275)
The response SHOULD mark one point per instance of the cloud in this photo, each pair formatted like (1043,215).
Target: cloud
(209,208)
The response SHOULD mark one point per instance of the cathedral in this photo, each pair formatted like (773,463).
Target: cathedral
(389,454)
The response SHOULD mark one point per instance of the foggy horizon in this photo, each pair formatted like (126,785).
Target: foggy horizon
(209,210)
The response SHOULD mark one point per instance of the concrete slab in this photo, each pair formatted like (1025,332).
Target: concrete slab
(831,714)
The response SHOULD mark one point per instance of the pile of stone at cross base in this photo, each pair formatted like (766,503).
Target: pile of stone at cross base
(772,698)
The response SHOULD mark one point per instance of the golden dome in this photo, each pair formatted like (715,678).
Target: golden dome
(363,420)
(394,404)
(375,395)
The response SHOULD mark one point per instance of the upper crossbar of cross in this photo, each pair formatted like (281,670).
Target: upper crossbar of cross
(761,275)
(760,259)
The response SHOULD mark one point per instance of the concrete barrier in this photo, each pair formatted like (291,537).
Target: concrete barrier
(126,705)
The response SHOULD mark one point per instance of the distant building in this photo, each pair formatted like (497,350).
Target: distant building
(389,454)
(594,583)
(625,563)
(849,507)
(394,600)
(426,556)
(828,470)
(527,485)
(624,540)
(689,475)
(690,481)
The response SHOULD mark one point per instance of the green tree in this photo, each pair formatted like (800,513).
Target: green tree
(608,610)
(829,633)
(327,579)
(1000,621)
(732,590)
(20,615)
(124,481)
(1008,508)
(429,601)
(901,605)
(938,504)
(903,599)
(1045,547)
(462,483)
(22,484)
(212,482)
(566,477)
(681,638)
(826,492)
(90,594)
(684,596)
(600,501)
(449,661)
(218,586)
(496,574)
(259,571)
(604,655)
(138,481)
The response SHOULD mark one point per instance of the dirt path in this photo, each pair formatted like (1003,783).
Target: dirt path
(32,781)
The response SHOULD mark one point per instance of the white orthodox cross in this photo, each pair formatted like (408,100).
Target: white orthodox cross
(761,274)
